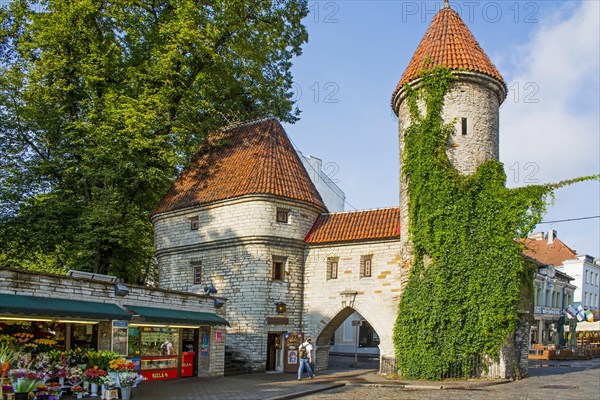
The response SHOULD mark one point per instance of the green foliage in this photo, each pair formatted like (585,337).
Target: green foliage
(463,291)
(102,103)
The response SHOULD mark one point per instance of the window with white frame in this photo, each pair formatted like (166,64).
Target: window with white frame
(366,263)
(196,271)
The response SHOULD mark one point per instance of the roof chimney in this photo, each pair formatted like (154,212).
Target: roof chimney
(551,236)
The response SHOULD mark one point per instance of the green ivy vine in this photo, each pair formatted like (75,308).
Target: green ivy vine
(464,286)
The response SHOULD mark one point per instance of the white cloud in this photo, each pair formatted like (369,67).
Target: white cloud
(559,68)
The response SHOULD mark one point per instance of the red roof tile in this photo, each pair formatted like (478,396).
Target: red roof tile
(356,225)
(555,253)
(450,43)
(251,158)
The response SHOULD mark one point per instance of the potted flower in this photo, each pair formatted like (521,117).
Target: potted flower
(127,380)
(107,382)
(6,356)
(8,392)
(24,382)
(75,376)
(94,375)
(78,391)
(61,370)
(54,389)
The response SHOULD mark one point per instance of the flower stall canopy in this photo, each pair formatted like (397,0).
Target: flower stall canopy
(164,315)
(61,308)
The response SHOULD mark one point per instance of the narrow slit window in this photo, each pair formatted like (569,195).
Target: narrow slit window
(464,125)
(194,223)
(332,268)
(278,271)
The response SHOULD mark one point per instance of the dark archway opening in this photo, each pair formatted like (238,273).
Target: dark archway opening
(348,341)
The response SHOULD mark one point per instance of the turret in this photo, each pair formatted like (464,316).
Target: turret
(472,102)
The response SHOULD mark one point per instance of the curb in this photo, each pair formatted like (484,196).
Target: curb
(306,392)
(465,386)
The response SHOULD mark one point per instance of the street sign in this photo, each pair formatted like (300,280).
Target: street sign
(356,322)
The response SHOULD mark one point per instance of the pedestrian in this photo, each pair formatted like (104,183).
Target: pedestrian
(305,356)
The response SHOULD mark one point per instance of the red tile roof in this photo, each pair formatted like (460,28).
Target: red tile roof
(252,158)
(555,253)
(356,225)
(450,43)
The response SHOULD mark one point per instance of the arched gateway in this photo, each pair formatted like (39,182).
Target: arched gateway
(352,264)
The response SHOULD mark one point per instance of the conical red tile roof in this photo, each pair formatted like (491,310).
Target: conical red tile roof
(251,158)
(450,43)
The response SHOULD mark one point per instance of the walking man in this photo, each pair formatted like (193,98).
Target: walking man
(305,356)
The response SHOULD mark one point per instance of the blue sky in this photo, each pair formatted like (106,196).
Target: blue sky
(547,51)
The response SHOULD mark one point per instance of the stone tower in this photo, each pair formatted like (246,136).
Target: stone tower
(236,218)
(472,102)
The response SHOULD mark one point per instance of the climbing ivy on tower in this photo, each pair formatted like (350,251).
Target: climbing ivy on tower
(461,298)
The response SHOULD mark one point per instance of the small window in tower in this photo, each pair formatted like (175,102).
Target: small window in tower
(197,270)
(464,126)
(282,215)
(332,268)
(278,270)
(194,223)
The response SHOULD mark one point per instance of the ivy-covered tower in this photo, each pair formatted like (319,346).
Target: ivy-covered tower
(472,102)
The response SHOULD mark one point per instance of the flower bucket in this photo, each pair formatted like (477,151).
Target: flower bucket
(94,389)
(125,393)
(21,396)
(61,380)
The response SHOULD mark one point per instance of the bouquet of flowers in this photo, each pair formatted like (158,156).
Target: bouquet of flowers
(95,375)
(78,389)
(6,356)
(108,381)
(128,379)
(121,365)
(60,369)
(75,376)
(54,389)
(24,381)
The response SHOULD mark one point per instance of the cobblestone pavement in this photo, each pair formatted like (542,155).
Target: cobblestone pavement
(572,380)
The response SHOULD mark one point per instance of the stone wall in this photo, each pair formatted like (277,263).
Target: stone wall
(236,244)
(325,305)
(37,284)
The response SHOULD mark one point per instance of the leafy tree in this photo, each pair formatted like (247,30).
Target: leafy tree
(102,103)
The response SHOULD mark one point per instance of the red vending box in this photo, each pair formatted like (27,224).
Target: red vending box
(187,363)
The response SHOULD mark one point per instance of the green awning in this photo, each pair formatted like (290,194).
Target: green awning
(174,316)
(59,308)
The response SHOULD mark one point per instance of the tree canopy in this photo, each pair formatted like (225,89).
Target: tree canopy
(102,103)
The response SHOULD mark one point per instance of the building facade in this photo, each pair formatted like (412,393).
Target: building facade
(583,268)
(246,217)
